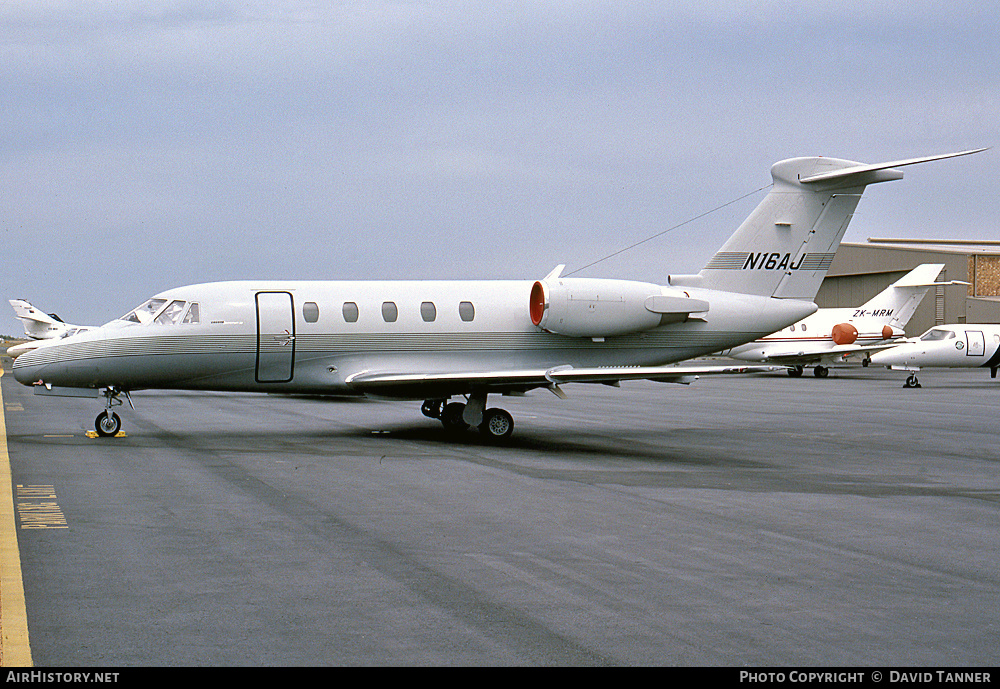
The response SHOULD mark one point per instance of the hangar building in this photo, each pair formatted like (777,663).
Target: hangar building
(860,271)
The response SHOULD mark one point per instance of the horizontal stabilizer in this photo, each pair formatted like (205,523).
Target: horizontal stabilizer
(864,174)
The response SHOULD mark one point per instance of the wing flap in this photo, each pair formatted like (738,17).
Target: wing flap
(453,383)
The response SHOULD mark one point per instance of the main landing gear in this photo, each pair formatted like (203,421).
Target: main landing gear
(108,423)
(494,424)
(818,371)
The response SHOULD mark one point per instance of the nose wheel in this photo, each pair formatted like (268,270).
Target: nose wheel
(107,424)
(911,382)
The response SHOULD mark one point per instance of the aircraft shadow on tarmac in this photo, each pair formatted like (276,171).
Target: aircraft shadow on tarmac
(672,447)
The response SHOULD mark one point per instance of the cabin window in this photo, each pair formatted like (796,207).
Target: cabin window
(466,311)
(389,312)
(172,314)
(310,311)
(428,311)
(193,314)
(350,312)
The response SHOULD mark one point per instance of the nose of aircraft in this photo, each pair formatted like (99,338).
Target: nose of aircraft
(53,361)
(893,356)
(25,366)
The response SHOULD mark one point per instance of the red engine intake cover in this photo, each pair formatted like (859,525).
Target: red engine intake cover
(844,334)
(886,332)
(536,306)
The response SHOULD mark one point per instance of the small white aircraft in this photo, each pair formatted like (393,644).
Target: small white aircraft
(832,335)
(39,327)
(963,345)
(434,340)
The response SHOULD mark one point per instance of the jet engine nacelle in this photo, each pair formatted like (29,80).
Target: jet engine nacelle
(844,334)
(595,307)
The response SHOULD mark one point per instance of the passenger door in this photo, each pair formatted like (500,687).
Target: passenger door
(976,343)
(275,337)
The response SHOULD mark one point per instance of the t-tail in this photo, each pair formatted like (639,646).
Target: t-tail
(897,303)
(38,325)
(785,247)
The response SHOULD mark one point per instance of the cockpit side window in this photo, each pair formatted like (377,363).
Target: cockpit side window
(144,314)
(194,313)
(172,314)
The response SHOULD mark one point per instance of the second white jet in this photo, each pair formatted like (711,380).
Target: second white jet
(961,345)
(832,335)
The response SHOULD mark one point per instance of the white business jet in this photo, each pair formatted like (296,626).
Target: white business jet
(435,340)
(39,327)
(963,345)
(831,336)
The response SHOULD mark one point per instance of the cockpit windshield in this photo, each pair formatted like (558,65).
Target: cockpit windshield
(158,311)
(938,334)
(144,314)
(171,314)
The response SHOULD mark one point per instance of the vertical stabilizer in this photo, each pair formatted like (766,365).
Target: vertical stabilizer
(38,325)
(785,247)
(898,302)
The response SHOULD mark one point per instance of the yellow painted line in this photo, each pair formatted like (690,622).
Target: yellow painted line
(15,651)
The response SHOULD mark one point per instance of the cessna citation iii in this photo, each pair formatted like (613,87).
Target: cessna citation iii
(433,341)
(831,336)
(945,346)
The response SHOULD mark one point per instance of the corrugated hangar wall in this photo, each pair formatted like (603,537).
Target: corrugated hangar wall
(860,271)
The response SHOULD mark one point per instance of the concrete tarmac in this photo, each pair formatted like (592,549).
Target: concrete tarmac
(743,520)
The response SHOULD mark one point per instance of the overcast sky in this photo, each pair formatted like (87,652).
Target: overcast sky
(147,145)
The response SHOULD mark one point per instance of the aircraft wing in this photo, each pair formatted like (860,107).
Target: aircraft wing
(804,356)
(429,385)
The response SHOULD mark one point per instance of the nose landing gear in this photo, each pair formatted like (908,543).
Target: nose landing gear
(108,423)
(911,382)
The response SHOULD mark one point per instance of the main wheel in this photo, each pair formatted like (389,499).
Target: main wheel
(821,371)
(107,424)
(795,371)
(497,424)
(451,416)
(432,408)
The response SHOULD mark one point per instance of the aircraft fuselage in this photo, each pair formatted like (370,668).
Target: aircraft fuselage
(314,337)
